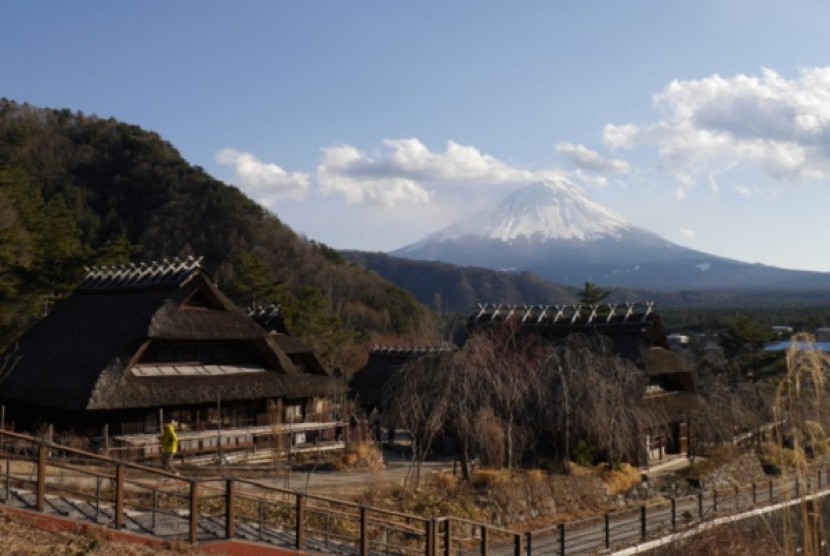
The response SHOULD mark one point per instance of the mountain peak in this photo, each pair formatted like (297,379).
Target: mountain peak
(542,211)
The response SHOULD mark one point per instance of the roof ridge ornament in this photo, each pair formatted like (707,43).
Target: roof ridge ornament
(142,274)
(576,314)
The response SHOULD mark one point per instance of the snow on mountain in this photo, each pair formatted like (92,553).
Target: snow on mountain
(546,210)
(552,230)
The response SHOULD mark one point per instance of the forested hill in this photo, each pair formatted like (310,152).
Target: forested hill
(458,289)
(78,190)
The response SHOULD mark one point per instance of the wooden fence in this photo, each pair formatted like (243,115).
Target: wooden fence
(47,477)
(51,478)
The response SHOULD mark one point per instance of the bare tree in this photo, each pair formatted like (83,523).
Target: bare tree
(419,398)
(509,364)
(595,396)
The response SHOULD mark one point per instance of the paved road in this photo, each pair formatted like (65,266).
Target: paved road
(396,470)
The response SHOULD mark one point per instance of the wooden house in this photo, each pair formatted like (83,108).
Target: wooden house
(140,344)
(636,333)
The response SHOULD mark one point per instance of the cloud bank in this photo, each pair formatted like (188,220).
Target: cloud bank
(264,182)
(406,171)
(586,159)
(778,126)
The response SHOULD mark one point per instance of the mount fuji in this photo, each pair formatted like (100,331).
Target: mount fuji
(551,229)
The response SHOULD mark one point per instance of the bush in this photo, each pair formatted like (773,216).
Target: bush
(584,454)
(621,479)
(489,478)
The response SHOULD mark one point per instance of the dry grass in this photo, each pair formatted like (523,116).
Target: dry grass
(490,478)
(444,480)
(621,479)
(536,476)
(785,459)
(754,538)
(364,456)
(22,539)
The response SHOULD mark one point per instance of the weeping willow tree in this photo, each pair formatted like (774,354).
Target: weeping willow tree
(802,411)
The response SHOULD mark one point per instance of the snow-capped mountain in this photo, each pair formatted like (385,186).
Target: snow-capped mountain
(546,210)
(552,229)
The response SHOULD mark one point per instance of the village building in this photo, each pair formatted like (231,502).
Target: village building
(138,345)
(634,330)
(637,334)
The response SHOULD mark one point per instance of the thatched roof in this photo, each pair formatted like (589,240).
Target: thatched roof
(80,355)
(666,368)
(370,383)
(671,406)
(630,326)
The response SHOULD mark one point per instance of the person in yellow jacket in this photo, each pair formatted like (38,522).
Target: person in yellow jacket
(169,446)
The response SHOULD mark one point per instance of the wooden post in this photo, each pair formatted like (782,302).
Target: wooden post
(770,492)
(433,537)
(447,536)
(40,496)
(673,514)
(194,511)
(607,531)
(8,480)
(430,545)
(230,513)
(299,534)
(754,494)
(364,531)
(517,544)
(106,438)
(119,495)
(261,517)
(562,539)
(218,428)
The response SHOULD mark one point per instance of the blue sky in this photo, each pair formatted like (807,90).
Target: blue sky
(368,125)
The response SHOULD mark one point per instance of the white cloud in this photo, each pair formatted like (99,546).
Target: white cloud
(587,159)
(688,233)
(779,127)
(743,191)
(264,182)
(345,170)
(406,171)
(588,180)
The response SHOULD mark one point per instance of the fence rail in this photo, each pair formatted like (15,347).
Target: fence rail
(40,475)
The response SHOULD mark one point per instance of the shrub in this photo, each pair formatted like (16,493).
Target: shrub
(584,454)
(621,479)
(489,478)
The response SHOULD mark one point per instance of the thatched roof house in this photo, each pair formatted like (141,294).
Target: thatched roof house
(133,340)
(636,333)
(369,385)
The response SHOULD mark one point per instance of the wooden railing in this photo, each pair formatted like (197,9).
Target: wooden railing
(51,478)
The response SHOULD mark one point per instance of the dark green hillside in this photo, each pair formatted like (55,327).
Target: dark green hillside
(79,190)
(456,289)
